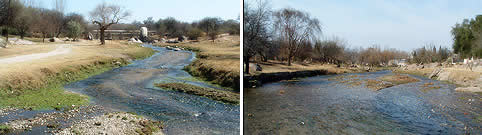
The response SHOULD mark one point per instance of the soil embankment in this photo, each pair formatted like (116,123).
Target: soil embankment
(466,79)
(277,71)
(216,62)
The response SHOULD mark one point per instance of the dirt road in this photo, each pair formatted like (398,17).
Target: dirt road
(61,49)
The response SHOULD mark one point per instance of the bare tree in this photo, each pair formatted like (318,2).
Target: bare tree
(256,22)
(295,27)
(9,11)
(211,26)
(105,15)
(329,51)
(43,24)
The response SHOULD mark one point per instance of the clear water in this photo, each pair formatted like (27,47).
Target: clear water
(318,105)
(131,89)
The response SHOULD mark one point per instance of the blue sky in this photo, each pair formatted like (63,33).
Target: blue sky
(401,24)
(184,10)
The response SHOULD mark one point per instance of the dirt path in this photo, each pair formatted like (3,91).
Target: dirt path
(62,49)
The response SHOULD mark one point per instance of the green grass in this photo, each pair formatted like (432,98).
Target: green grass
(48,98)
(4,129)
(218,95)
(144,53)
(50,94)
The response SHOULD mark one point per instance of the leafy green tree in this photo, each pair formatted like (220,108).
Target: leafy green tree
(75,29)
(467,37)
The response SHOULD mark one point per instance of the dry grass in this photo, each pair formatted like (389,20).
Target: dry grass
(398,79)
(272,66)
(217,62)
(428,86)
(458,76)
(377,85)
(218,95)
(46,75)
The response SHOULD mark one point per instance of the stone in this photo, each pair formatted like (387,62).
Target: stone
(134,40)
(90,36)
(54,39)
(468,89)
(16,41)
(144,32)
(3,44)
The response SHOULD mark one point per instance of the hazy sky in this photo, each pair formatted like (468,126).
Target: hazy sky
(402,24)
(184,10)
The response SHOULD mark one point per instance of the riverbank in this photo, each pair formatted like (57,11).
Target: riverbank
(465,79)
(215,94)
(216,62)
(273,71)
(38,83)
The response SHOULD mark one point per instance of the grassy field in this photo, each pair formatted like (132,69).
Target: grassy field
(38,84)
(216,62)
(218,95)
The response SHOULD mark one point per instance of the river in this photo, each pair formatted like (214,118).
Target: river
(130,89)
(322,105)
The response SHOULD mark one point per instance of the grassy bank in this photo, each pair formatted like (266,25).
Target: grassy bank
(273,71)
(216,62)
(40,86)
(218,95)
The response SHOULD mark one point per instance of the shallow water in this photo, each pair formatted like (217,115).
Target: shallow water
(320,105)
(131,89)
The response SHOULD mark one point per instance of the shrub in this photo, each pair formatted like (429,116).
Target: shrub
(74,29)
(193,34)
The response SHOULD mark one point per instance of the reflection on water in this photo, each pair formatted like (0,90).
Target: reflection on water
(131,89)
(319,104)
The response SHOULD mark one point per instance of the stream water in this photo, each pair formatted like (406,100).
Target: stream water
(320,105)
(131,89)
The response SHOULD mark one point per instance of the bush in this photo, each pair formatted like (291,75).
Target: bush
(193,34)
(74,29)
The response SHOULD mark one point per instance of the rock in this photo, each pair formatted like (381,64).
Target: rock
(182,38)
(55,39)
(435,73)
(258,68)
(468,89)
(443,75)
(172,41)
(3,44)
(90,36)
(144,32)
(134,40)
(177,49)
(16,41)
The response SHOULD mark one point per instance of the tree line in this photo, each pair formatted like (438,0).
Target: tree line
(26,18)
(210,26)
(292,35)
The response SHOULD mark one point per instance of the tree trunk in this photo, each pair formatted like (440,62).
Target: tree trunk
(247,64)
(102,39)
(289,60)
